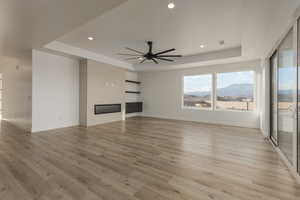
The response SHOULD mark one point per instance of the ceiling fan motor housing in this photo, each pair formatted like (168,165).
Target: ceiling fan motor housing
(154,56)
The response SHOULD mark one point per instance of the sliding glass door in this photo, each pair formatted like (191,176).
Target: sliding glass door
(298,66)
(284,117)
(286,96)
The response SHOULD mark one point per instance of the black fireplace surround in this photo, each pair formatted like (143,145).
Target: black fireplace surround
(107,108)
(132,107)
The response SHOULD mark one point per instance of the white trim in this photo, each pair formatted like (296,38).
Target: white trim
(214,91)
(254,92)
(292,169)
(214,104)
(183,107)
(231,55)
(295,117)
(196,108)
(130,115)
(75,51)
(179,118)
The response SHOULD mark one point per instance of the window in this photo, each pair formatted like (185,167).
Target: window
(235,91)
(198,91)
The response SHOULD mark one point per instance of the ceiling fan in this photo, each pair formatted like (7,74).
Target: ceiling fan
(150,55)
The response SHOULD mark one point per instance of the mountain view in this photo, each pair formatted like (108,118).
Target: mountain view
(232,97)
(234,90)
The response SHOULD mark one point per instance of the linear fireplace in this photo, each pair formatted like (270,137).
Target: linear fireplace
(107,108)
(134,107)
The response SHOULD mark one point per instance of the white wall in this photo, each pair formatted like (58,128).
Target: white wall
(17,82)
(55,91)
(105,84)
(83,93)
(263,24)
(162,96)
(265,96)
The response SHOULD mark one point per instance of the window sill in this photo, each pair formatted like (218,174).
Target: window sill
(236,111)
(195,108)
(217,110)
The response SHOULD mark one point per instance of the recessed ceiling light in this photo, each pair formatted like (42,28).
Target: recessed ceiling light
(202,46)
(90,38)
(171,5)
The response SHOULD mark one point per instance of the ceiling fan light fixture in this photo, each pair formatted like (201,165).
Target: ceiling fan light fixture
(171,5)
(202,46)
(90,38)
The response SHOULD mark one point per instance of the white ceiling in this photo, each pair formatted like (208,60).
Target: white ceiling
(27,24)
(249,27)
(190,24)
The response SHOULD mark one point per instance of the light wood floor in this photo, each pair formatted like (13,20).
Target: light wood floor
(142,159)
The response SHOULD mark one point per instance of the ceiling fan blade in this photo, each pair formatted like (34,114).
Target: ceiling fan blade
(139,52)
(170,56)
(165,59)
(127,54)
(154,61)
(135,58)
(143,60)
(163,52)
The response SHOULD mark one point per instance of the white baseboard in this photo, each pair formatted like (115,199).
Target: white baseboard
(132,115)
(202,121)
(292,169)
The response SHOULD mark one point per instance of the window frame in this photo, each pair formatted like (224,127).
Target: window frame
(214,90)
(211,93)
(1,97)
(254,92)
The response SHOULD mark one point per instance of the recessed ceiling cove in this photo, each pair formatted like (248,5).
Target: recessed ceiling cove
(192,24)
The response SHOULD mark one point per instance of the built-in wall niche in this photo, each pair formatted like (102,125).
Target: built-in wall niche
(107,109)
(134,107)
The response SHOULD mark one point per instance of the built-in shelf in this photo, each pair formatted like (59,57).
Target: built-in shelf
(132,92)
(135,82)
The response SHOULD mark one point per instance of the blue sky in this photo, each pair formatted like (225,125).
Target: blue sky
(204,82)
(227,79)
(286,70)
(285,78)
(197,83)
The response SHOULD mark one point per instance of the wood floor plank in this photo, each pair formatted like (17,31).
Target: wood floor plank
(142,159)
